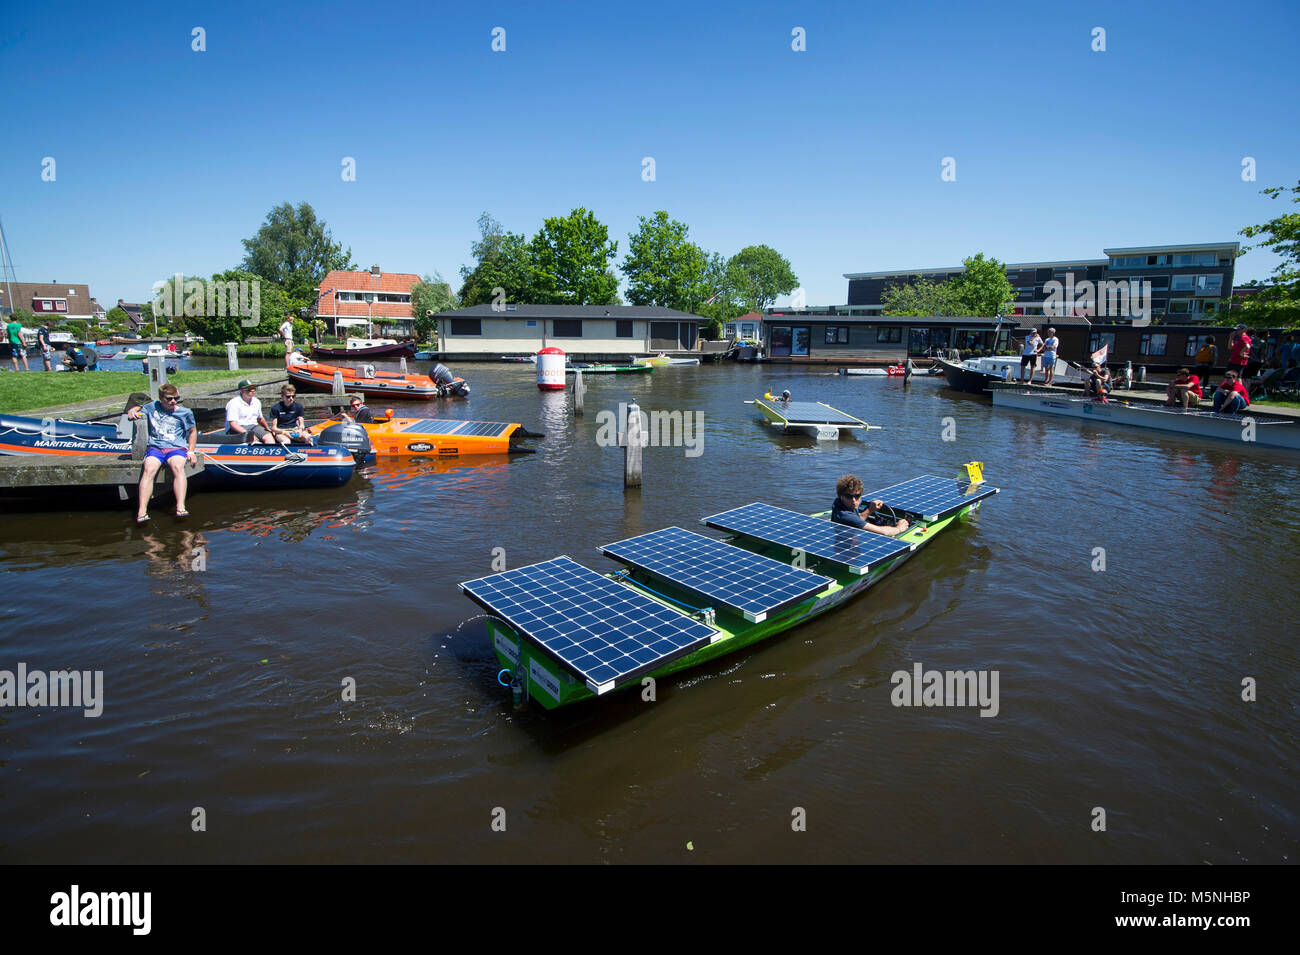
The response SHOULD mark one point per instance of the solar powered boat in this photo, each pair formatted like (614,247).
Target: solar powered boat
(813,418)
(565,633)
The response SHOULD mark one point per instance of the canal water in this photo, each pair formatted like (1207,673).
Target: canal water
(1129,588)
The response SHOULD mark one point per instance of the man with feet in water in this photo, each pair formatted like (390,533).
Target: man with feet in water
(850,509)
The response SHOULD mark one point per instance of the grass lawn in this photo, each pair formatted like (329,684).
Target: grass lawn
(43,389)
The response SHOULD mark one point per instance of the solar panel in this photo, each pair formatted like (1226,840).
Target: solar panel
(858,550)
(487,429)
(931,498)
(812,412)
(749,583)
(603,631)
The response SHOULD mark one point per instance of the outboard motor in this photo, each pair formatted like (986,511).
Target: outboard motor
(351,436)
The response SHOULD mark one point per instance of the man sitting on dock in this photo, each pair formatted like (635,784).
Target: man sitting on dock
(172,437)
(1232,397)
(244,415)
(1184,391)
(850,509)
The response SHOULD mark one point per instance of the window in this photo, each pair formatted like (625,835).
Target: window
(781,337)
(1209,284)
(623,328)
(567,328)
(467,326)
(1193,346)
(837,335)
(1183,283)
(889,334)
(1179,306)
(802,339)
(1097,339)
(1152,343)
(1159,304)
(1159,283)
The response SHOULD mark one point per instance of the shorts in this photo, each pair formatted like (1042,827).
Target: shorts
(164,454)
(1049,359)
(256,432)
(1029,360)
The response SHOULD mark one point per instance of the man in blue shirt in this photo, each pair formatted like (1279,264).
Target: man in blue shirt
(850,509)
(172,437)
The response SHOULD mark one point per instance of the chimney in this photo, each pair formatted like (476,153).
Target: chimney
(374,270)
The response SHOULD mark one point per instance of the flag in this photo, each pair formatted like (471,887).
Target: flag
(1099,356)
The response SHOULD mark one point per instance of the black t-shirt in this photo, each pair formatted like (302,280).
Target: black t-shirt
(286,416)
(363,415)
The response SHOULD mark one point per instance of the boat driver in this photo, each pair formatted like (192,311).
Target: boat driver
(358,413)
(850,509)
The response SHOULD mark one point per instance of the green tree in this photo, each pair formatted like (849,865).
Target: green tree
(663,267)
(759,273)
(571,256)
(921,297)
(501,260)
(1277,304)
(430,295)
(117,317)
(983,289)
(294,250)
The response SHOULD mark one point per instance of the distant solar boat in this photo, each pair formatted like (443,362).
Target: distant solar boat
(813,418)
(564,633)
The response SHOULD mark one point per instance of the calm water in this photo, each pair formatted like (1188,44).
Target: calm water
(1118,688)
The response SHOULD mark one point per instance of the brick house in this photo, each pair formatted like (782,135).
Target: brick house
(379,301)
(50,302)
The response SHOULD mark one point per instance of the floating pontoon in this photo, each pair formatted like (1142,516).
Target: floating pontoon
(814,418)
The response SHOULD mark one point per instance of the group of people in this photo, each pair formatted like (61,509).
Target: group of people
(18,348)
(1036,349)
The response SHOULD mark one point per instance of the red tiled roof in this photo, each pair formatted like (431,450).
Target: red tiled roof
(366,281)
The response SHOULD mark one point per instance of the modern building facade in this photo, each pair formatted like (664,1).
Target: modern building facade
(584,331)
(1187,284)
(378,300)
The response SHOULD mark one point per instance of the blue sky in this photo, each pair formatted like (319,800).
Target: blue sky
(166,158)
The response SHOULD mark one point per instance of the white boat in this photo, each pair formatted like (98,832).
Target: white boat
(974,375)
(1247,428)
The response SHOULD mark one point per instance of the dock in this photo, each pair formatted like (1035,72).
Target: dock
(33,472)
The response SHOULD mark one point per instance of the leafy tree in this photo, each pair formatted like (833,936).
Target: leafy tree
(663,267)
(759,274)
(1278,304)
(921,297)
(294,250)
(430,295)
(502,260)
(983,289)
(117,317)
(570,260)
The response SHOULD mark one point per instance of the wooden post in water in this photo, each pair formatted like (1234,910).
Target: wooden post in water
(404,365)
(157,373)
(338,382)
(632,451)
(908,371)
(232,358)
(579,389)
(140,438)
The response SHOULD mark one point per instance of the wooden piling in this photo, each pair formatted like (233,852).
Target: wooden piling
(140,438)
(232,357)
(157,364)
(404,365)
(338,382)
(579,390)
(632,449)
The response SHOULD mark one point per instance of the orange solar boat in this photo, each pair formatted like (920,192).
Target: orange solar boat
(372,383)
(440,437)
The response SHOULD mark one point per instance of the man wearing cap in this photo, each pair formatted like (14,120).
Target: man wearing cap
(1029,354)
(172,436)
(1239,351)
(244,415)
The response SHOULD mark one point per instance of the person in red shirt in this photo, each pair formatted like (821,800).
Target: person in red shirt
(1184,391)
(1239,350)
(1232,397)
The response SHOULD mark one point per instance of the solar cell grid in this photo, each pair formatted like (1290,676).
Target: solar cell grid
(855,549)
(446,426)
(602,630)
(810,412)
(748,583)
(931,498)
